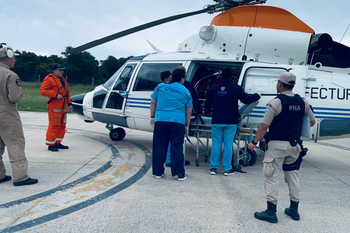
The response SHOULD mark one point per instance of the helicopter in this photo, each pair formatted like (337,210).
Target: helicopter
(256,41)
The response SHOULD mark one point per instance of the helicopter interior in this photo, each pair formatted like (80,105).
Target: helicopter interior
(204,75)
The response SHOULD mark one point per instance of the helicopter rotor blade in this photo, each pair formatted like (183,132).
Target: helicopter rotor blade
(220,6)
(133,30)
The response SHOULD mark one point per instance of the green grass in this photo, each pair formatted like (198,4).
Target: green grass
(33,101)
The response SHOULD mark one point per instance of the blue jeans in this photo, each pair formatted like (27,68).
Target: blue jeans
(222,133)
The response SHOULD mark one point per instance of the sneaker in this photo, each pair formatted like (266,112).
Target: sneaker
(28,181)
(182,177)
(6,178)
(212,171)
(161,176)
(60,146)
(230,172)
(52,148)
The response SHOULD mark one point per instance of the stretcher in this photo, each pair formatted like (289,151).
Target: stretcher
(200,129)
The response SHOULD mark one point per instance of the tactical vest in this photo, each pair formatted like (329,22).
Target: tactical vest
(289,121)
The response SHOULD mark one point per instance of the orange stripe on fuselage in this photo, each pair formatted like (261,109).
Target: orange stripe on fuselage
(261,16)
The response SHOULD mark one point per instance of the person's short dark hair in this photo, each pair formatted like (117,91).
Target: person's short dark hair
(227,74)
(286,86)
(164,75)
(177,75)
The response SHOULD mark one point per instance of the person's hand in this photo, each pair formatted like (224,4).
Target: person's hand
(186,131)
(258,95)
(251,146)
(70,107)
(151,122)
(59,96)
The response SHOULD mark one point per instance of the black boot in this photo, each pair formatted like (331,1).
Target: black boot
(269,214)
(292,211)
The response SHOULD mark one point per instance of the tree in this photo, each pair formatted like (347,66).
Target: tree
(81,67)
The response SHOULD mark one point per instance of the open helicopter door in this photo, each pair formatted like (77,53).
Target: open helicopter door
(139,97)
(113,101)
(262,78)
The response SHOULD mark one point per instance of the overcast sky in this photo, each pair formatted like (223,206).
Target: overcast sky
(47,27)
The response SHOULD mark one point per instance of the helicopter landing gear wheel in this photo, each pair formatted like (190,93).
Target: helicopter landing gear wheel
(117,134)
(250,158)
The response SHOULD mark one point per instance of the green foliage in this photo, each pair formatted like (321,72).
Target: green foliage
(33,101)
(81,68)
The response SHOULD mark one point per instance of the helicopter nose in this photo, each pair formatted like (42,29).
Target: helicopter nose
(77,102)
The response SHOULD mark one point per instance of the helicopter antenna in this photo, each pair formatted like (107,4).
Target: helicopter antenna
(345,33)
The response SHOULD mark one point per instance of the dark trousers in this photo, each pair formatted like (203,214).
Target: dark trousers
(165,132)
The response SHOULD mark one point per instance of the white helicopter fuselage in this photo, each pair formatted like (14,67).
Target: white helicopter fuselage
(256,55)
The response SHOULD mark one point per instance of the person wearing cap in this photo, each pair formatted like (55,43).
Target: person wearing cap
(283,116)
(56,87)
(222,102)
(11,131)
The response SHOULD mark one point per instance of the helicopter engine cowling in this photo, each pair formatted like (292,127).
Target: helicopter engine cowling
(320,42)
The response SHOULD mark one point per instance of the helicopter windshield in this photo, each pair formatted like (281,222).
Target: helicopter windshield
(111,80)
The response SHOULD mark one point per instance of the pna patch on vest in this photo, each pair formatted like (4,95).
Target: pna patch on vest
(294,108)
(18,82)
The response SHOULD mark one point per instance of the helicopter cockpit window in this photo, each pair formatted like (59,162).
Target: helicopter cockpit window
(124,78)
(149,75)
(261,80)
(111,80)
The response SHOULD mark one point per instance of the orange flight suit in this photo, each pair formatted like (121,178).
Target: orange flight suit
(57,108)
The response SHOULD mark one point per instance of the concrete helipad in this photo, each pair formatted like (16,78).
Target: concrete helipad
(100,185)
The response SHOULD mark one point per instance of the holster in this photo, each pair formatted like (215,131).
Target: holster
(297,163)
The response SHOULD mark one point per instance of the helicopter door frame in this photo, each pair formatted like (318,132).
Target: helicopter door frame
(116,98)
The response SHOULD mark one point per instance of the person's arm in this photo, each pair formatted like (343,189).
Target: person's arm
(188,116)
(246,98)
(153,108)
(259,135)
(45,89)
(309,112)
(14,89)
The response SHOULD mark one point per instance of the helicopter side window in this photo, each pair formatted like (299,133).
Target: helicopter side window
(98,99)
(149,75)
(261,80)
(123,81)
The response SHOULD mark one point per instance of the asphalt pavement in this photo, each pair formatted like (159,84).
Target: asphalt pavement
(100,185)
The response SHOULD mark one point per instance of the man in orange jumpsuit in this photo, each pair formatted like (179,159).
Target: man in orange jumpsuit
(57,89)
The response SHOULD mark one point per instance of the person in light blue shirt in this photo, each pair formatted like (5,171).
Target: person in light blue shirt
(171,107)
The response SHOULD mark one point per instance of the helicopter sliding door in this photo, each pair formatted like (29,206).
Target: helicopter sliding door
(139,98)
(263,79)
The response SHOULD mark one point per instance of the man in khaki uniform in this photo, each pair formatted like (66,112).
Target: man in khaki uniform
(11,132)
(284,116)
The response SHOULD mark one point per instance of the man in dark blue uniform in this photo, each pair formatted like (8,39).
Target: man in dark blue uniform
(223,97)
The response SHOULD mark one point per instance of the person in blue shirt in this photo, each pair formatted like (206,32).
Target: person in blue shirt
(223,98)
(171,107)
